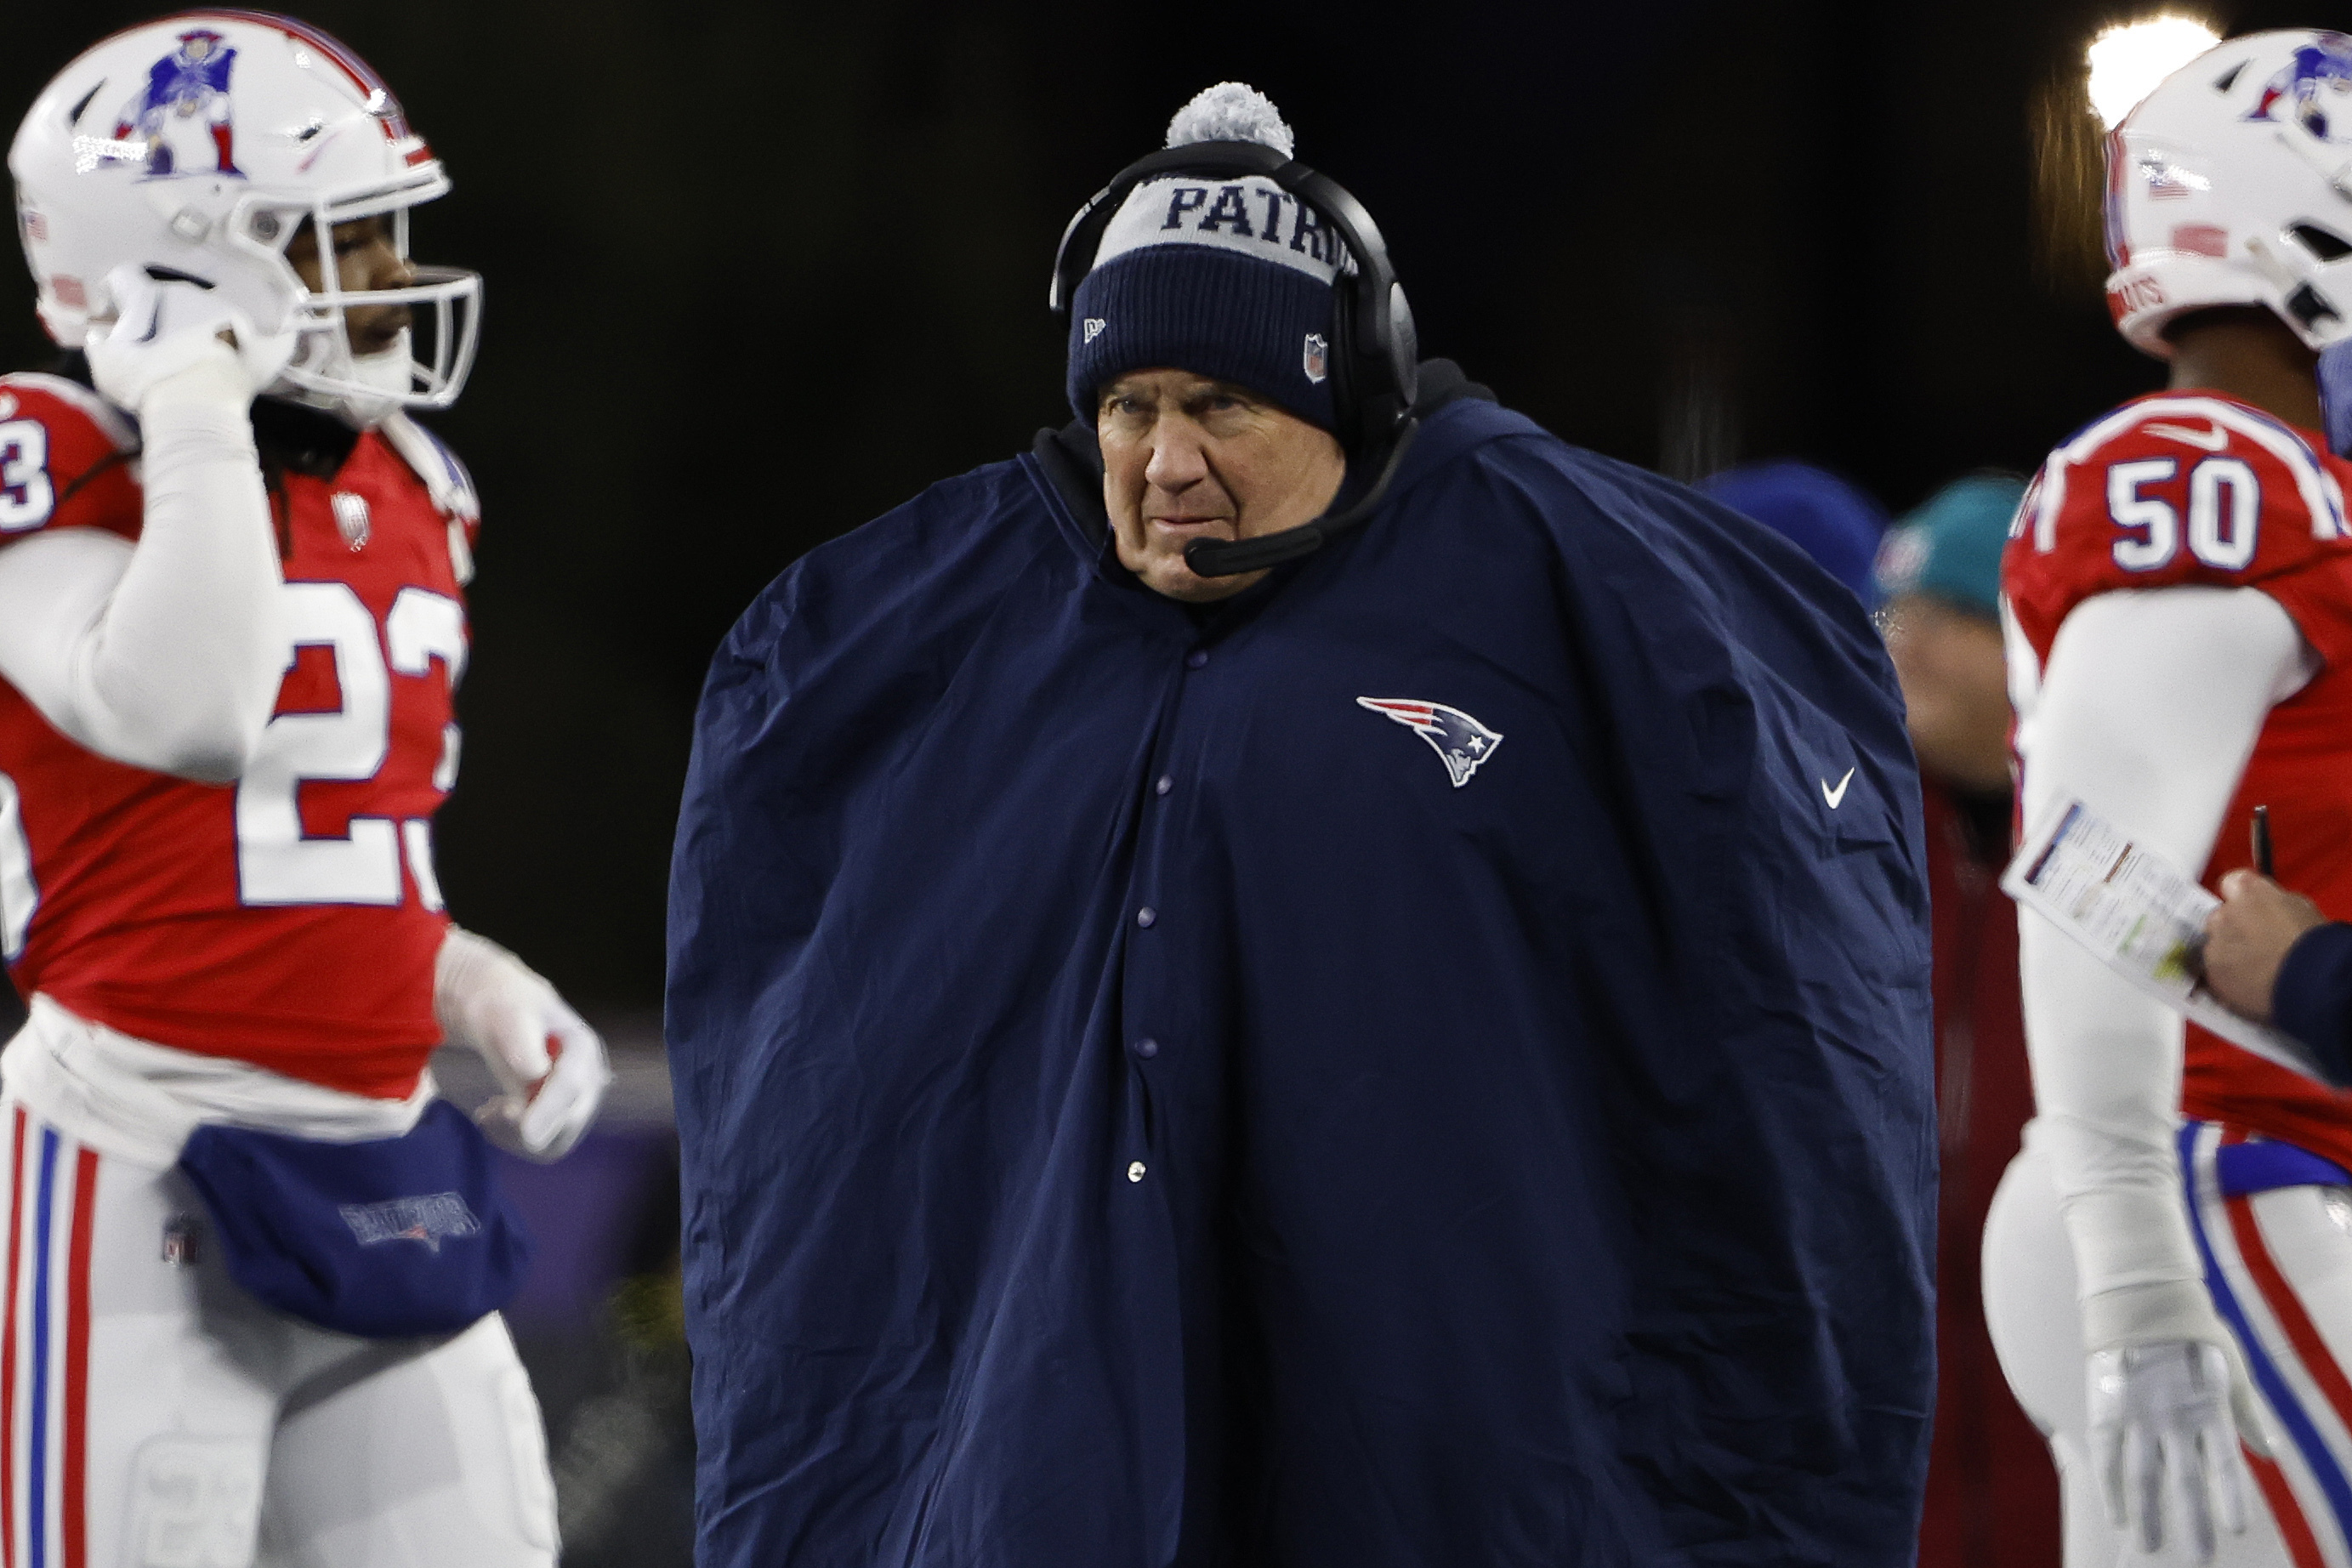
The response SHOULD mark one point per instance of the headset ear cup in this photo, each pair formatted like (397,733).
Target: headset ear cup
(1404,350)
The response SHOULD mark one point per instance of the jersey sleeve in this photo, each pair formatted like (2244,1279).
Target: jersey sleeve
(65,460)
(2175,491)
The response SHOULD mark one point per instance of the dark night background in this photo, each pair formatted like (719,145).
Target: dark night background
(758,272)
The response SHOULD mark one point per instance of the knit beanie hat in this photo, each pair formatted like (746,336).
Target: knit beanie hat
(1227,278)
(1829,518)
(1950,549)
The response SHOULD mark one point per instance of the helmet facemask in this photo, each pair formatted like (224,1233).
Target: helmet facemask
(2309,263)
(326,371)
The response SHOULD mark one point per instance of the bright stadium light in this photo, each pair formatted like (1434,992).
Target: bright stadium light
(2127,61)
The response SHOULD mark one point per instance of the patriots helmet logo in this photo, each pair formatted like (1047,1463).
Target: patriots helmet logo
(2311,86)
(179,122)
(1460,740)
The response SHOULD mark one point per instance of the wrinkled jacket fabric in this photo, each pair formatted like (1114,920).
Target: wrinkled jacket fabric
(1136,1110)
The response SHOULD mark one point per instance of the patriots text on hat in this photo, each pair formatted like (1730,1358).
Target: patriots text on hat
(1256,217)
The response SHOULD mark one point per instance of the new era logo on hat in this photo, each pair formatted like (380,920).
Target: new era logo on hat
(1095,324)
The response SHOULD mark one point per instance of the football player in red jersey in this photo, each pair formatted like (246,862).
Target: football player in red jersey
(2169,1263)
(245,1290)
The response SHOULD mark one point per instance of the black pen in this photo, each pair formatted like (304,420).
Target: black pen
(2262,842)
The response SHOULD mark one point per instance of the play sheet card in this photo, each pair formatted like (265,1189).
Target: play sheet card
(2137,912)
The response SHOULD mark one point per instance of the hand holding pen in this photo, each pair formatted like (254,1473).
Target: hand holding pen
(2247,938)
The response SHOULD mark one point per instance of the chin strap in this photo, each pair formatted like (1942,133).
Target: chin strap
(1229,558)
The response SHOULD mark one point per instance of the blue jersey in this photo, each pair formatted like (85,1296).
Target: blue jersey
(1425,1062)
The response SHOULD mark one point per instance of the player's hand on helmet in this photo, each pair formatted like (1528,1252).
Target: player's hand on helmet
(164,329)
(2165,1423)
(550,1063)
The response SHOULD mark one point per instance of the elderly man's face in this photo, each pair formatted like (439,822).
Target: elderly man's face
(1955,688)
(1186,458)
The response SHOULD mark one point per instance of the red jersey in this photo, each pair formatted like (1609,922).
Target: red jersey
(290,920)
(2200,489)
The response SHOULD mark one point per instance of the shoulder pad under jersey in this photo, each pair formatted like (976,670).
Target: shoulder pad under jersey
(445,479)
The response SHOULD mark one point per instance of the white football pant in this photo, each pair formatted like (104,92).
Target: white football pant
(157,1417)
(2281,1272)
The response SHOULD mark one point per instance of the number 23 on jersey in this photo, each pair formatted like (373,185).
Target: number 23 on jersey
(278,862)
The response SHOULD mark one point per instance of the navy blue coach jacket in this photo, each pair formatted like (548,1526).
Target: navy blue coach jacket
(1424,1064)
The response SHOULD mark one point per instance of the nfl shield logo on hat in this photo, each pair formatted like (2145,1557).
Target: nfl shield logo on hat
(1317,357)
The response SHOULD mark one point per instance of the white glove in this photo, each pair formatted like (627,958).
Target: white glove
(549,1061)
(164,329)
(2162,1419)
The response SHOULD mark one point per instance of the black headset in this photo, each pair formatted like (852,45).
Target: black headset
(1374,355)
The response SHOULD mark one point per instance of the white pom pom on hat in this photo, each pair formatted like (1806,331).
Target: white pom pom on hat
(1231,112)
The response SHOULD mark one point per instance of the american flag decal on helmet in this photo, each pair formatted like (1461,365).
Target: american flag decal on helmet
(1460,740)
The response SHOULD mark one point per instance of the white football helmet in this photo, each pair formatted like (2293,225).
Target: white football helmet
(196,147)
(2230,184)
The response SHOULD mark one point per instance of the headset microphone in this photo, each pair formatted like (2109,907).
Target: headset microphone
(1375,356)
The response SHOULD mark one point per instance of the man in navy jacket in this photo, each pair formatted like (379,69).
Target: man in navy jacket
(1417,1055)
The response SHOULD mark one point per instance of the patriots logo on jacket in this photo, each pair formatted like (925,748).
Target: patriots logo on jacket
(1459,740)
